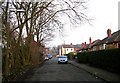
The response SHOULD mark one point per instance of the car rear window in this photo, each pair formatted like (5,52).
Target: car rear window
(63,57)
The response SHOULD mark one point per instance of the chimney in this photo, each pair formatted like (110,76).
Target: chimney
(70,43)
(85,43)
(109,33)
(90,40)
(82,45)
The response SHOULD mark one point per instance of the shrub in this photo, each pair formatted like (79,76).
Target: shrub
(108,59)
(82,57)
(71,55)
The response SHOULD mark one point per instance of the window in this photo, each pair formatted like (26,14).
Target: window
(118,45)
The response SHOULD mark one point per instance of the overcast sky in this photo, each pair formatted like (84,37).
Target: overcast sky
(105,14)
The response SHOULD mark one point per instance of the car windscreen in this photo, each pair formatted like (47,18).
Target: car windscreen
(62,57)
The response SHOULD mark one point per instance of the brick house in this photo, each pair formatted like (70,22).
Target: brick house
(111,41)
(77,47)
(94,45)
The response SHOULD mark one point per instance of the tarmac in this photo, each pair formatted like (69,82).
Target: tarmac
(100,73)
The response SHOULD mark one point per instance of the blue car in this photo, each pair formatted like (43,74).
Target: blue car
(49,56)
(62,59)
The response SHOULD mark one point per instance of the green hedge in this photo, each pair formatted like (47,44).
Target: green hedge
(108,59)
(82,57)
(71,55)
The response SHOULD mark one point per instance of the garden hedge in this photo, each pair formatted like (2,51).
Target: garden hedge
(71,55)
(108,59)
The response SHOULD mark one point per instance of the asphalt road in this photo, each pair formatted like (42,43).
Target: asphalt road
(52,71)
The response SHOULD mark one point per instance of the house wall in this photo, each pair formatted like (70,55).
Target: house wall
(94,48)
(76,49)
(105,46)
(102,46)
(109,46)
(116,45)
(68,50)
(99,47)
(112,45)
(60,52)
(64,51)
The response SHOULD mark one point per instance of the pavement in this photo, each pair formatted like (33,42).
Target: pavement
(100,73)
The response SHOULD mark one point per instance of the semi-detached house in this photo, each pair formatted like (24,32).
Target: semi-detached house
(111,41)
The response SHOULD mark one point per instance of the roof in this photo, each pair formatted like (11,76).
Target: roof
(68,46)
(114,38)
(87,46)
(84,47)
(77,46)
(96,42)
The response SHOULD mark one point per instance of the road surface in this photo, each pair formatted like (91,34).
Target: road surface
(51,71)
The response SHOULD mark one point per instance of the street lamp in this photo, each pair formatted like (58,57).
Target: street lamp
(18,10)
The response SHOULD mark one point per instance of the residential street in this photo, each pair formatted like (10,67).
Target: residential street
(51,71)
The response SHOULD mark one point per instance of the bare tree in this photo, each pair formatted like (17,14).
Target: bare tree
(40,20)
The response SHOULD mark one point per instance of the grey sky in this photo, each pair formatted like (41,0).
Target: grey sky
(105,14)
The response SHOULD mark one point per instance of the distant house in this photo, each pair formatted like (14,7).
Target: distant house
(91,46)
(60,50)
(111,41)
(77,47)
(94,46)
(86,47)
(65,49)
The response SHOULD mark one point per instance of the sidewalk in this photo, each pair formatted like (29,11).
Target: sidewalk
(105,75)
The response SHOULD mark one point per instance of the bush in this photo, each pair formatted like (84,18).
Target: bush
(71,55)
(108,59)
(82,57)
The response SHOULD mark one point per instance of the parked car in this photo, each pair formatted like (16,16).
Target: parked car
(62,59)
(57,56)
(49,56)
(46,58)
